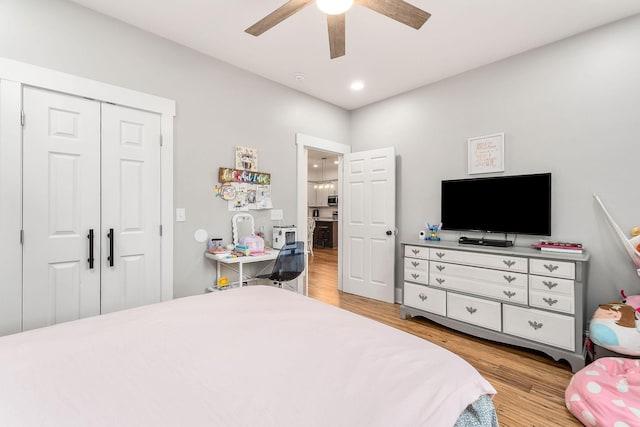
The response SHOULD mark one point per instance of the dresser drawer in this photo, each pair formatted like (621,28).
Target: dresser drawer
(480,274)
(425,298)
(416,252)
(416,264)
(550,301)
(551,285)
(416,276)
(541,326)
(474,310)
(502,262)
(548,267)
(514,294)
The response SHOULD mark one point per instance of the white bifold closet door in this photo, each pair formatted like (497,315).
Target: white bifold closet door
(91,208)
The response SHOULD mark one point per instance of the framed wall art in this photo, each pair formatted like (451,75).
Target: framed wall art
(485,154)
(246,158)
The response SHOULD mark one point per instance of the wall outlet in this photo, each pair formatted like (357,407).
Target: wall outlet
(276,214)
(181,215)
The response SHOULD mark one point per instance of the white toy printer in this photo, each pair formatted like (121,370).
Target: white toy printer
(283,235)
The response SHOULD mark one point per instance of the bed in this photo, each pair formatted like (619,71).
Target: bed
(252,356)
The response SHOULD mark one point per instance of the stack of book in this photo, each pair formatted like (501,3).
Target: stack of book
(562,247)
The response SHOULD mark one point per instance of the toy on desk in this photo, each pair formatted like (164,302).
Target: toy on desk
(433,231)
(242,250)
(215,246)
(255,244)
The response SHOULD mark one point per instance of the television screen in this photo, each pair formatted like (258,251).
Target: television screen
(519,204)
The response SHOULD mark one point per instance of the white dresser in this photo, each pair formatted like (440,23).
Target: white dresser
(515,295)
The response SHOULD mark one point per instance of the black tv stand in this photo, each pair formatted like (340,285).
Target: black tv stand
(485,242)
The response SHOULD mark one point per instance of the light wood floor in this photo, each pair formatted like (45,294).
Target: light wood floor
(530,385)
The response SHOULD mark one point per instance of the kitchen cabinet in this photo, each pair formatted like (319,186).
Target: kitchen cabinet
(325,235)
(317,197)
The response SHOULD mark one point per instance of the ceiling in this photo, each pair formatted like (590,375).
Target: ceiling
(389,57)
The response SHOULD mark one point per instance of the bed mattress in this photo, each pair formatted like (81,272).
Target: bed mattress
(253,356)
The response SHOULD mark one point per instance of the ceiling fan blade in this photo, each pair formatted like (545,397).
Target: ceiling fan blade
(398,10)
(336,35)
(277,16)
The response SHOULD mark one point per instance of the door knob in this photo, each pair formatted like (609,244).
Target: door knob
(389,232)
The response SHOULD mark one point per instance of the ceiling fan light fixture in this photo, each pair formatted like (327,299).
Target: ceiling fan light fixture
(357,85)
(334,7)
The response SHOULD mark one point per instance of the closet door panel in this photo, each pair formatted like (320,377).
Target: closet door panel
(61,201)
(131,207)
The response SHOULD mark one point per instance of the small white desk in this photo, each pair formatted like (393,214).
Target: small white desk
(240,261)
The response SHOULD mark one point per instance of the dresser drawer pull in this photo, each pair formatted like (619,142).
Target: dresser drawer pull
(422,296)
(415,251)
(440,267)
(535,325)
(509,279)
(509,293)
(415,263)
(440,254)
(415,276)
(549,284)
(550,301)
(508,263)
(471,310)
(440,280)
(550,267)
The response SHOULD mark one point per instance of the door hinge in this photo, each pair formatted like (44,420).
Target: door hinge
(22,237)
(161,230)
(161,142)
(22,118)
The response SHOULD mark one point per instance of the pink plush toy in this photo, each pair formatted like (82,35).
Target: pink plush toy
(633,300)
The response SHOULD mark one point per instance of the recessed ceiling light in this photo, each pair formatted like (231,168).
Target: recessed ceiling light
(357,85)
(335,162)
(315,166)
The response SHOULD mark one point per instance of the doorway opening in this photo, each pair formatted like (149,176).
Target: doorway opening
(310,197)
(322,222)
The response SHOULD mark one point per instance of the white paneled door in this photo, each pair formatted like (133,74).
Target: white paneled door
(90,169)
(61,206)
(368,223)
(130,208)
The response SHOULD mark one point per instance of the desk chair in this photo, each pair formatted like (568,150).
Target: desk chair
(288,265)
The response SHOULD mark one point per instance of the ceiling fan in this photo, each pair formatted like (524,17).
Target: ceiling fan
(397,10)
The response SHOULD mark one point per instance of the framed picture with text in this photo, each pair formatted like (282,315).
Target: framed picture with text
(485,154)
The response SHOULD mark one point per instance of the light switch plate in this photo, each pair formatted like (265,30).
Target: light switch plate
(181,215)
(276,214)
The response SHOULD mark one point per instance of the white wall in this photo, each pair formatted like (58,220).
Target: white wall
(218,107)
(571,108)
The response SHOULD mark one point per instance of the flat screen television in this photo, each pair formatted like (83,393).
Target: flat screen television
(518,204)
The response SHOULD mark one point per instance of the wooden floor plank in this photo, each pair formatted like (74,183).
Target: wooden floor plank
(530,384)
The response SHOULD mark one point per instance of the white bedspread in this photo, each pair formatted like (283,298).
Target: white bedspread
(254,356)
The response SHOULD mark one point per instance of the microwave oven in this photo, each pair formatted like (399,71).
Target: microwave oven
(332,200)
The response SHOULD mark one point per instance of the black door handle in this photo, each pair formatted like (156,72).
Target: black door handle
(90,237)
(110,237)
(389,232)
